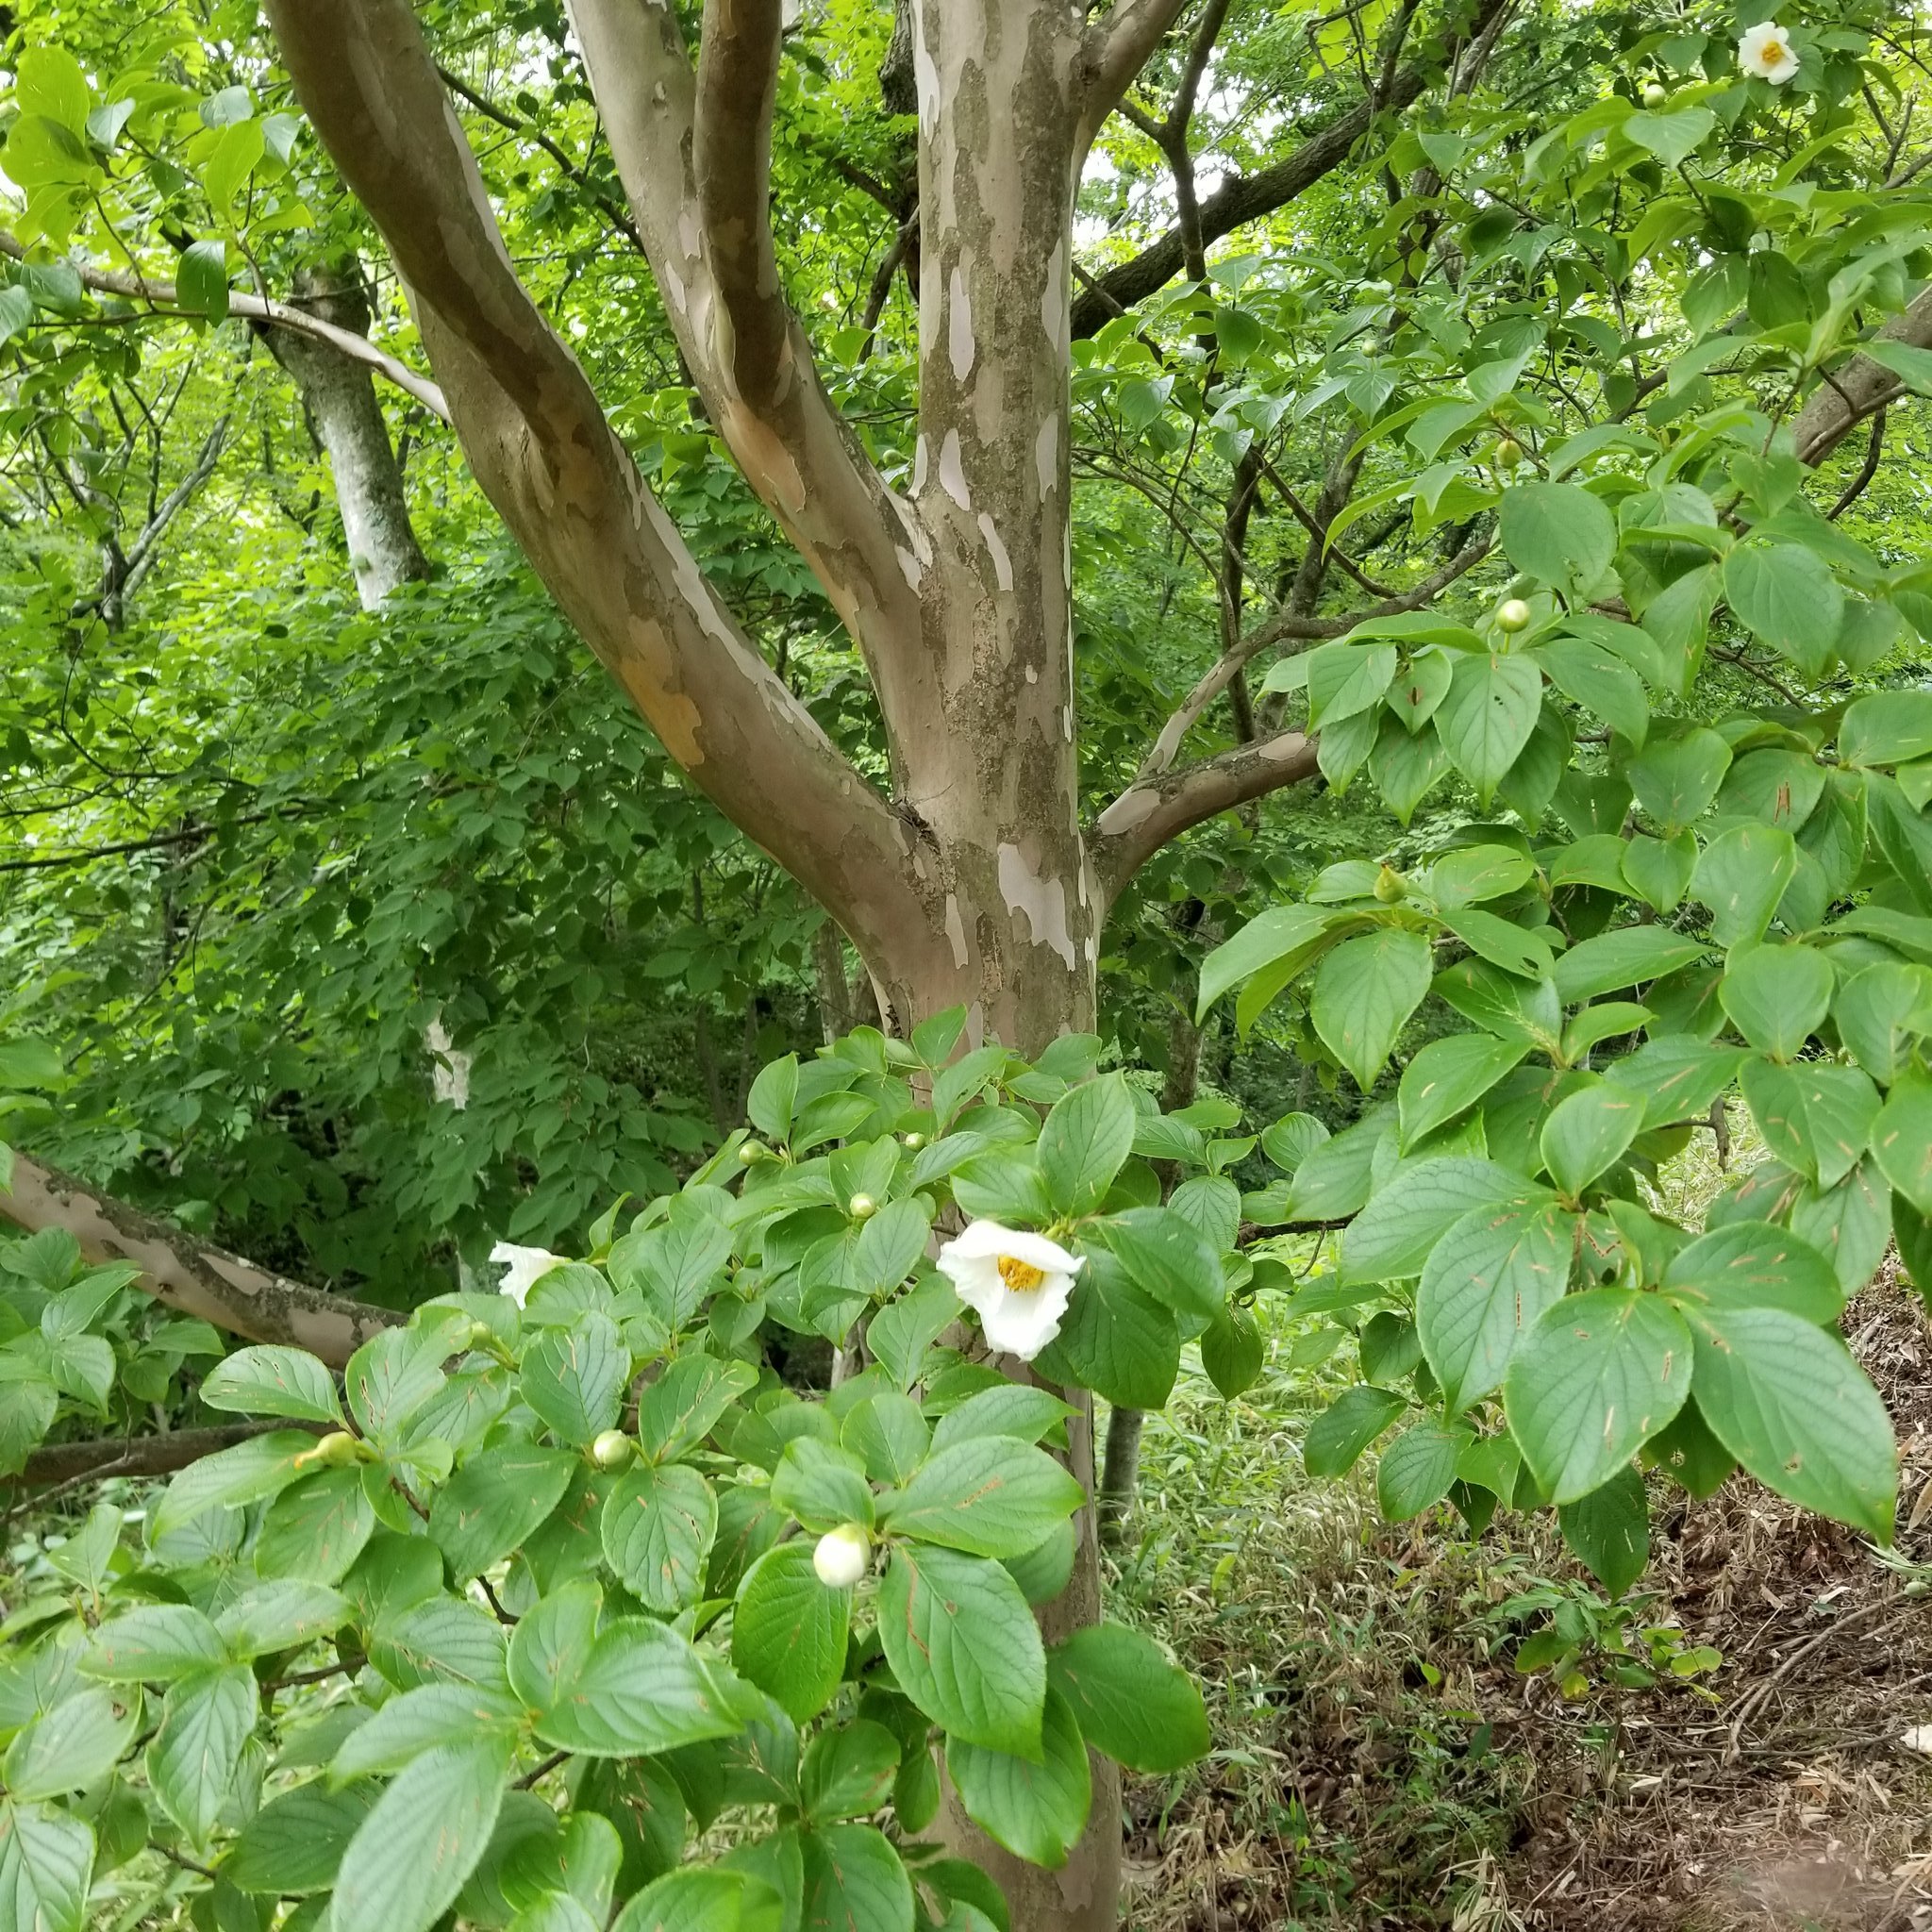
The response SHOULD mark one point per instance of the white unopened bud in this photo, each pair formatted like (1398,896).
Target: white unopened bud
(861,1207)
(842,1556)
(1514,615)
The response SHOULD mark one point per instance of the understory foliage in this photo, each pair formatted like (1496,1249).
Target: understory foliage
(538,1597)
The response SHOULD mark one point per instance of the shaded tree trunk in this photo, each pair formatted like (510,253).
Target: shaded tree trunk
(340,399)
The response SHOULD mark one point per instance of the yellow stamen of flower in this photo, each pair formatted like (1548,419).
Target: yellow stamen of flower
(1021,1276)
(1772,52)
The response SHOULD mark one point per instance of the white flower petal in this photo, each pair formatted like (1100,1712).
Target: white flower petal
(980,1241)
(1022,1324)
(526,1266)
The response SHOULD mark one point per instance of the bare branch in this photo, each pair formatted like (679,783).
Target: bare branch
(193,1275)
(1860,388)
(537,441)
(1153,810)
(141,1456)
(276,314)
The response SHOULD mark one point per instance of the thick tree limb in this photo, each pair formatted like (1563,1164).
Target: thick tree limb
(273,314)
(1153,810)
(1117,47)
(141,1456)
(537,441)
(189,1275)
(694,153)
(1859,389)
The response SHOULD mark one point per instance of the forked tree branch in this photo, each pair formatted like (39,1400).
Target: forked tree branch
(273,314)
(192,1276)
(1153,810)
(1117,47)
(694,153)
(537,441)
(1849,395)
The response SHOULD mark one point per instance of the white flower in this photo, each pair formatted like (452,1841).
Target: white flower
(525,1266)
(1765,53)
(841,1557)
(1018,1284)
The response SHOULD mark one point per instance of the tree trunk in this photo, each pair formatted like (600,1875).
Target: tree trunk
(339,396)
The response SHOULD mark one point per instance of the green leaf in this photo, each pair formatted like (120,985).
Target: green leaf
(50,81)
(687,1402)
(295,1843)
(1588,1132)
(391,1376)
(1600,681)
(773,1097)
(494,1503)
(316,1527)
(1488,715)
(1560,533)
(574,1377)
(1880,1011)
(283,1614)
(988,1496)
(964,1647)
(823,1484)
(1741,875)
(789,1630)
(1901,1142)
(46,1869)
(1887,729)
(1015,1409)
(1338,1436)
(674,1264)
(1129,1700)
(1630,955)
(657,1526)
(1850,1224)
(701,1898)
(201,279)
(1778,996)
(1672,138)
(1674,781)
(1789,1402)
(1815,1116)
(1418,1468)
(848,1772)
(192,1759)
(1391,1239)
(1282,937)
(1487,1282)
(1785,595)
(1750,1264)
(1344,679)
(1598,1375)
(1036,1810)
(245,1474)
(1608,1530)
(157,1643)
(642,1688)
(1115,1339)
(1365,991)
(412,1854)
(1233,1352)
(854,1882)
(73,1744)
(1086,1141)
(1171,1259)
(422,1719)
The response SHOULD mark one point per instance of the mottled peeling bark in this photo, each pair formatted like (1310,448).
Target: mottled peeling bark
(188,1274)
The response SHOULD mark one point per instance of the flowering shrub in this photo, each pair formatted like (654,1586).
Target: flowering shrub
(551,1581)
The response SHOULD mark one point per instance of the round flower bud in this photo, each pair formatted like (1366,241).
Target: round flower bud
(611,1450)
(1655,95)
(1508,453)
(861,1206)
(750,1151)
(338,1449)
(842,1556)
(1390,887)
(915,1142)
(1514,615)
